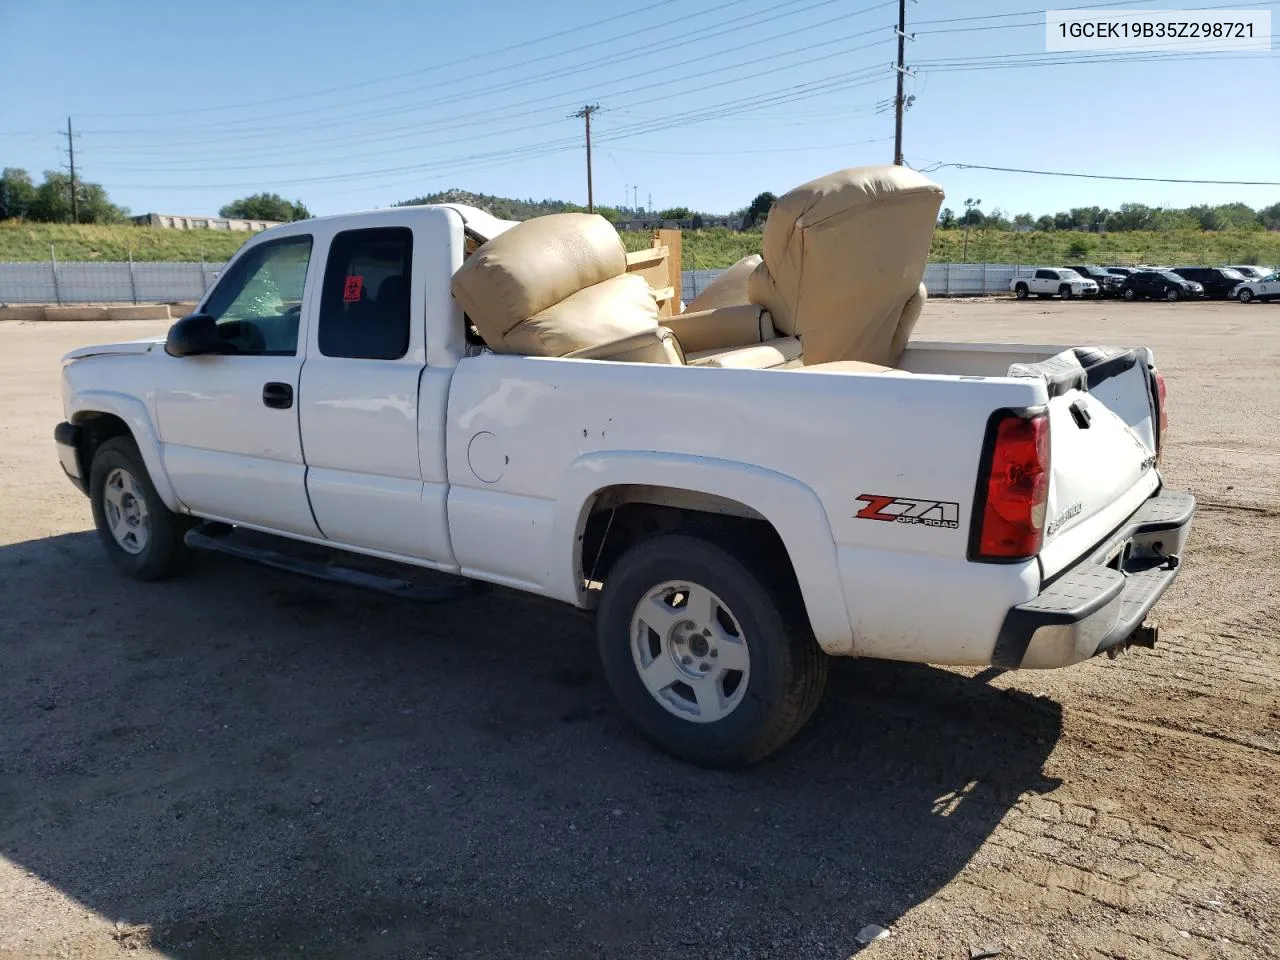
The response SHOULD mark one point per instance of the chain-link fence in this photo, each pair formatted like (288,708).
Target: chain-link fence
(73,282)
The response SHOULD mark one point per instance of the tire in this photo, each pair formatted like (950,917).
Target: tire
(1245,295)
(1130,293)
(1065,292)
(749,619)
(141,535)
(1173,295)
(1021,291)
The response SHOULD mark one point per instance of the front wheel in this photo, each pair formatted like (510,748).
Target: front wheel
(1245,295)
(1065,292)
(1172,295)
(142,537)
(711,660)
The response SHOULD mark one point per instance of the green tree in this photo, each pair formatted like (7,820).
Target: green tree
(997,219)
(1046,223)
(759,208)
(947,219)
(52,202)
(1269,217)
(1079,249)
(1024,220)
(676,213)
(17,193)
(265,206)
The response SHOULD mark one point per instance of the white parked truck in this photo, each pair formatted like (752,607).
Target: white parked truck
(1054,282)
(738,493)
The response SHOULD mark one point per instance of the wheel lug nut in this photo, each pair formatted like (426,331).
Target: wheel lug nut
(686,660)
(714,653)
(704,667)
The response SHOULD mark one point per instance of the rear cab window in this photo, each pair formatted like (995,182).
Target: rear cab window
(364,303)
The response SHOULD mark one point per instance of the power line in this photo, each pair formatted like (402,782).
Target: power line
(663,44)
(938,165)
(503,156)
(666,82)
(474,118)
(410,73)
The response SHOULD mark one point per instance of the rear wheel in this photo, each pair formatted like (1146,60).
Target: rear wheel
(712,660)
(141,535)
(1246,295)
(1130,293)
(1021,291)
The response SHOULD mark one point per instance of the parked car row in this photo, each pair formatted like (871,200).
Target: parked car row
(1244,283)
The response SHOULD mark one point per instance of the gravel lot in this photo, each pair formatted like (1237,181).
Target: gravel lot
(246,764)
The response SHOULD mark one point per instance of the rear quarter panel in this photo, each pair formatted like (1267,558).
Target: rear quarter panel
(523,432)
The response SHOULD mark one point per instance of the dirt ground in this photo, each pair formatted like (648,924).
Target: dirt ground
(241,763)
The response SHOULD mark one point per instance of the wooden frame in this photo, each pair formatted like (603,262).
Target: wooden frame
(660,266)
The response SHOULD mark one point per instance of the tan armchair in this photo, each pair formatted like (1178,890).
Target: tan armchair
(843,259)
(557,286)
(839,279)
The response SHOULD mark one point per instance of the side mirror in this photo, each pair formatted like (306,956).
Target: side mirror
(193,335)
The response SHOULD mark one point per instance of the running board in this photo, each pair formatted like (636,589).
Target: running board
(218,538)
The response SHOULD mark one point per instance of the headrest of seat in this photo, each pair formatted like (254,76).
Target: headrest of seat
(843,255)
(533,266)
(394,289)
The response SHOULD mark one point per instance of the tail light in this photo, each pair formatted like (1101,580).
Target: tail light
(1163,414)
(1013,490)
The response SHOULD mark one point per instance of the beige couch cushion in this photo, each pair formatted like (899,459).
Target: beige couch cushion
(759,356)
(543,272)
(727,289)
(599,314)
(843,256)
(722,327)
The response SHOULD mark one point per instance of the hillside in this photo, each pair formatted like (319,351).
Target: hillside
(703,249)
(504,208)
(30,241)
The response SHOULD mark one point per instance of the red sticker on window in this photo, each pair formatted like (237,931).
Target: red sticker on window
(352,289)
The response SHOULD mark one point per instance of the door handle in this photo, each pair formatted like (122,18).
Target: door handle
(277,395)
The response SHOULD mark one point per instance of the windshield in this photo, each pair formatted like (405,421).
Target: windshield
(1170,275)
(1232,274)
(1066,274)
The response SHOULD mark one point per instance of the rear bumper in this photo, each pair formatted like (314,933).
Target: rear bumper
(1100,604)
(66,438)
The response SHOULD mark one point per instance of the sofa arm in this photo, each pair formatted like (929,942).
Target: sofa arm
(721,328)
(655,345)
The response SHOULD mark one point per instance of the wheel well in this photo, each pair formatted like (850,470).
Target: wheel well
(95,430)
(619,517)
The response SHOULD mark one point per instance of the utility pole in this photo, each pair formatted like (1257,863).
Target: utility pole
(899,101)
(71,154)
(585,113)
(970,205)
(635,198)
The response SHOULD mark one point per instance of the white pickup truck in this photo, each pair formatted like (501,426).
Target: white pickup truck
(1050,282)
(738,493)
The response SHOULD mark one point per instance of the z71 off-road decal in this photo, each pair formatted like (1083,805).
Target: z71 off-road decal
(930,513)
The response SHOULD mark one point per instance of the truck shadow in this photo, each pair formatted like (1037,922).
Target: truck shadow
(243,763)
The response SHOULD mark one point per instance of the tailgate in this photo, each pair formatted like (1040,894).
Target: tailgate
(1103,436)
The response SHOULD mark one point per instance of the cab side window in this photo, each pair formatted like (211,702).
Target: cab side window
(364,303)
(258,301)
(1046,275)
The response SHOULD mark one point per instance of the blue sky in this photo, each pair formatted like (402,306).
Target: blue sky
(181,107)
